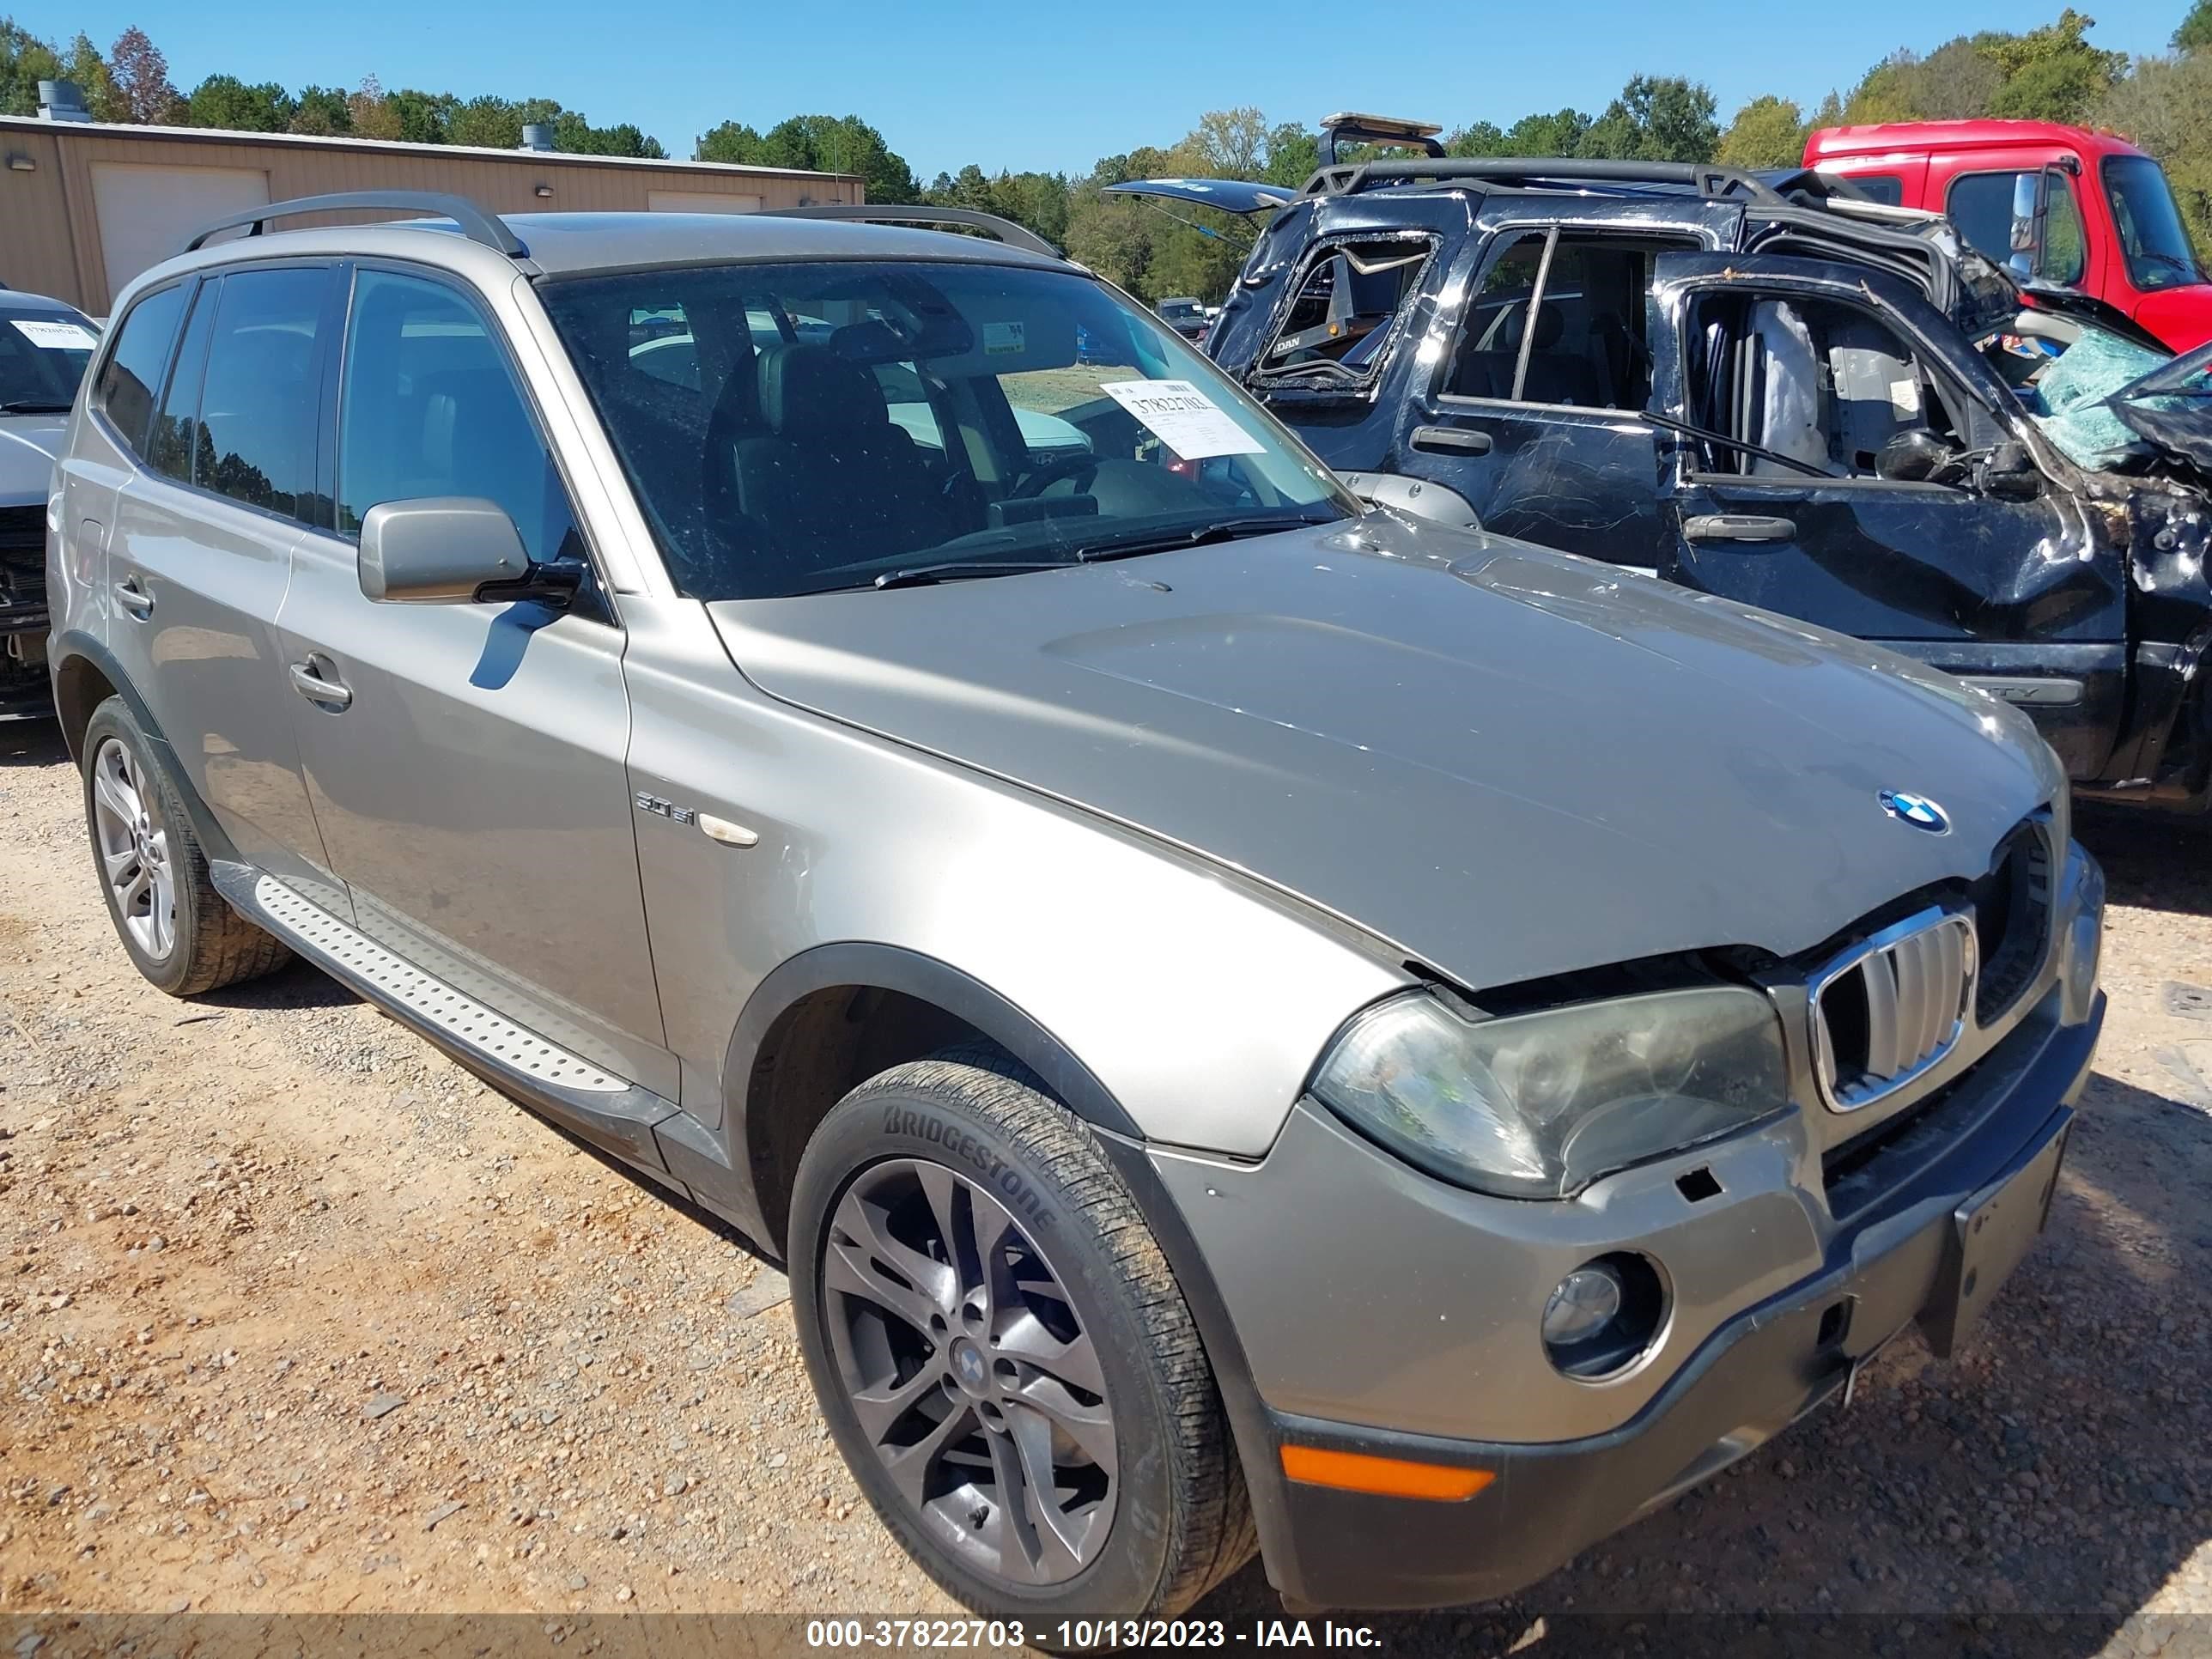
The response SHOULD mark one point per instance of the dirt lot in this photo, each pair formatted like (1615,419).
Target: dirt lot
(297,1317)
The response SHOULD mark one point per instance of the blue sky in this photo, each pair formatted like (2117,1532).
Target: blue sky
(1055,85)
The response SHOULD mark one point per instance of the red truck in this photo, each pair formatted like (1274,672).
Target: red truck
(2055,204)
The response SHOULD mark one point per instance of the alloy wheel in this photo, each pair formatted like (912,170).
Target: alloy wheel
(134,849)
(969,1372)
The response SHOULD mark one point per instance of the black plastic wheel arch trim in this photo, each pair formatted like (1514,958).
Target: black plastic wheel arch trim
(74,643)
(894,968)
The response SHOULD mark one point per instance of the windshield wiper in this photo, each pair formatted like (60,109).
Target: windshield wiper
(1221,530)
(921,576)
(33,406)
(2186,267)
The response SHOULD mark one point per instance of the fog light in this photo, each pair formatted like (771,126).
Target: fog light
(1584,1304)
(1605,1315)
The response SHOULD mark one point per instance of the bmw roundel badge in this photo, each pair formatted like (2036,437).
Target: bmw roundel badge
(1917,810)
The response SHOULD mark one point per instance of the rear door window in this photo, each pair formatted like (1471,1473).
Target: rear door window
(261,391)
(132,375)
(174,449)
(1579,339)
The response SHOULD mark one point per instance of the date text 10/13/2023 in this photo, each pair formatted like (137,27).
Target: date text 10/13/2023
(1084,1635)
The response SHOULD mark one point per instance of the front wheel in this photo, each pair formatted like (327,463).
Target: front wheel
(1003,1353)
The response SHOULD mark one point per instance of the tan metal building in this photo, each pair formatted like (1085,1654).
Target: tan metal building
(85,206)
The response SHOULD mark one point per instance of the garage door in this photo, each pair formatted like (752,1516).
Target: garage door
(700,201)
(148,213)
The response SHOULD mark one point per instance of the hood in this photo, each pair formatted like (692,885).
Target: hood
(28,445)
(2181,316)
(2171,408)
(1508,762)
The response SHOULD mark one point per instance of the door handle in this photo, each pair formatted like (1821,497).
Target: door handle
(134,599)
(1451,440)
(308,682)
(1738,527)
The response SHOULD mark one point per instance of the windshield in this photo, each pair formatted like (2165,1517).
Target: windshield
(2152,235)
(42,357)
(800,428)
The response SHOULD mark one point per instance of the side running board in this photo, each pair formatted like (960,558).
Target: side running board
(609,1111)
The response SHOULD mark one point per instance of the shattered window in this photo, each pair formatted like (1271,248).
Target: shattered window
(1348,298)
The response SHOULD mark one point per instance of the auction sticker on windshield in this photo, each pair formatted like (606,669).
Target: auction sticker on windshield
(56,337)
(1185,419)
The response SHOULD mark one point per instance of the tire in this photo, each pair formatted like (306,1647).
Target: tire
(972,1135)
(177,930)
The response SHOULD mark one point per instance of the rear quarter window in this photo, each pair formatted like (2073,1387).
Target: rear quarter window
(131,377)
(1345,309)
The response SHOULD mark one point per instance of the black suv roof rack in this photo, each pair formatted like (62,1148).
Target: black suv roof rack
(1534,171)
(478,226)
(1006,230)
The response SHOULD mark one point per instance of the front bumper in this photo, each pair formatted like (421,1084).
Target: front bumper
(1747,1375)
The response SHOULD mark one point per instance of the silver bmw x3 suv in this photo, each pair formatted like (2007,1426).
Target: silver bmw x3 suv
(1254,1023)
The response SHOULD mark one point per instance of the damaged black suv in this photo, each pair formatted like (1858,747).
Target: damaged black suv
(1764,386)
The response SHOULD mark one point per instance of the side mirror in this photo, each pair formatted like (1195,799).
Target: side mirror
(442,550)
(1911,456)
(2009,474)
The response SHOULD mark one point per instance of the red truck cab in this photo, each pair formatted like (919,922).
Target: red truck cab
(2055,204)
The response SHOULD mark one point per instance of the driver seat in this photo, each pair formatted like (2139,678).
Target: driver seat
(827,473)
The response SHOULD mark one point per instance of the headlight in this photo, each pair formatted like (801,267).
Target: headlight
(1540,1105)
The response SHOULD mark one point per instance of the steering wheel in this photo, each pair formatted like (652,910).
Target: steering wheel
(1080,464)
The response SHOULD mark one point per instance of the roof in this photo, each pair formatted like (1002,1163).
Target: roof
(16,300)
(1889,137)
(569,242)
(342,141)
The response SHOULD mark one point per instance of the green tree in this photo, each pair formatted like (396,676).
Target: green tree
(733,141)
(25,60)
(1293,155)
(1766,132)
(421,116)
(369,113)
(486,122)
(83,64)
(2196,31)
(1560,133)
(323,111)
(2053,73)
(225,102)
(2165,107)
(1655,119)
(828,143)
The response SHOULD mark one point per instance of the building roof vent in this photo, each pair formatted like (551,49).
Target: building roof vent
(537,136)
(61,100)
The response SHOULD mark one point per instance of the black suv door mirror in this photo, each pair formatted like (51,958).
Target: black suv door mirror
(442,550)
(1911,456)
(2010,475)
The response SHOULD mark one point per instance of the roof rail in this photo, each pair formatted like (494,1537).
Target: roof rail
(1528,172)
(486,228)
(1006,230)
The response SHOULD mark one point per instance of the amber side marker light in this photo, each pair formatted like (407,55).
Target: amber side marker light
(1391,1477)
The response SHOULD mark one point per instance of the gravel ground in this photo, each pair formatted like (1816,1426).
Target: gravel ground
(297,1318)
